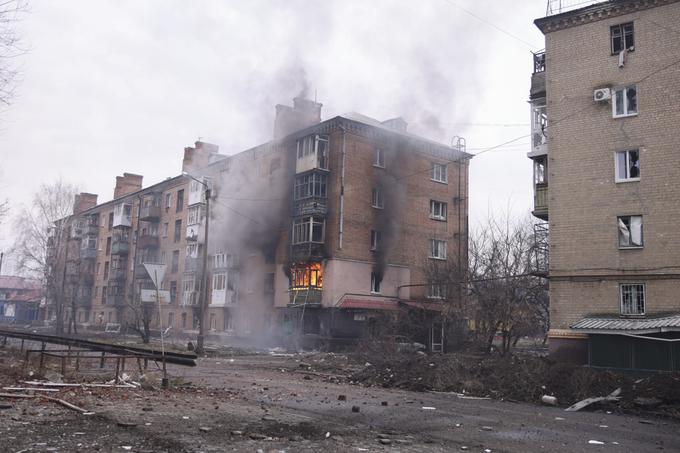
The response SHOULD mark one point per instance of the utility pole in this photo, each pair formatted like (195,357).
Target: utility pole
(203,307)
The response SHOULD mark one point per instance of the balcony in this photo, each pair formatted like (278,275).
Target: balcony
(540,251)
(538,77)
(90,230)
(150,213)
(310,206)
(147,241)
(122,215)
(88,253)
(196,233)
(305,297)
(86,279)
(222,298)
(118,275)
(116,300)
(120,246)
(189,298)
(309,251)
(541,201)
(193,264)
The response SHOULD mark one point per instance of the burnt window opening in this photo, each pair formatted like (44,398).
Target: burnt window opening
(308,229)
(310,185)
(376,281)
(622,37)
(317,145)
(628,165)
(632,297)
(630,231)
(379,158)
(307,276)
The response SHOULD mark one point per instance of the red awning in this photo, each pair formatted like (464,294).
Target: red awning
(369,304)
(429,306)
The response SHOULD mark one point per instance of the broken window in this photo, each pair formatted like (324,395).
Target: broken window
(308,229)
(628,165)
(437,210)
(625,101)
(375,283)
(438,173)
(632,298)
(307,276)
(314,144)
(378,158)
(376,237)
(630,231)
(539,125)
(622,37)
(377,198)
(310,185)
(437,249)
(540,175)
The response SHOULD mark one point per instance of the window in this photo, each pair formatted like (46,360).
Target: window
(436,291)
(305,277)
(171,319)
(628,165)
(219,282)
(173,291)
(314,144)
(378,158)
(625,102)
(630,231)
(104,296)
(437,210)
(269,283)
(376,239)
(106,270)
(97,267)
(175,261)
(195,215)
(108,245)
(168,200)
(632,298)
(437,249)
(375,283)
(540,174)
(163,256)
(377,198)
(310,185)
(438,173)
(178,230)
(180,201)
(110,220)
(622,36)
(308,229)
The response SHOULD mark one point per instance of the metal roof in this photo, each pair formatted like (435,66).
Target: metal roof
(628,325)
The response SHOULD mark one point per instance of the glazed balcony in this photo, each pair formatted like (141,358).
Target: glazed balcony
(541,201)
(147,241)
(538,76)
(310,206)
(120,245)
(150,213)
(88,253)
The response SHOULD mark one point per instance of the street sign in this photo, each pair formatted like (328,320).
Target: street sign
(156,272)
(149,295)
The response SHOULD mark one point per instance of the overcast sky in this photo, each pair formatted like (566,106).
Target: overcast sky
(115,86)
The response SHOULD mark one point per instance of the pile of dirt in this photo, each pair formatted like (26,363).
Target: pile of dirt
(519,378)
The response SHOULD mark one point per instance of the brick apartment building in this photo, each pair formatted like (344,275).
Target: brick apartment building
(321,231)
(606,166)
(20,299)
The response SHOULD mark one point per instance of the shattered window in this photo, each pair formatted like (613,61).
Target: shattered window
(630,231)
(376,237)
(632,299)
(622,37)
(625,101)
(628,165)
(376,280)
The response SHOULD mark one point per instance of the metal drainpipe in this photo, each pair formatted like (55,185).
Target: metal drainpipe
(342,188)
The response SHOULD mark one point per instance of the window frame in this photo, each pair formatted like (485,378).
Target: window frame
(617,166)
(443,210)
(621,28)
(376,239)
(628,227)
(379,158)
(303,230)
(441,176)
(377,200)
(635,302)
(376,285)
(624,92)
(439,289)
(435,252)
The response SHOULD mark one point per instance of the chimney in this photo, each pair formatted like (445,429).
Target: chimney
(127,184)
(397,124)
(302,114)
(198,156)
(84,201)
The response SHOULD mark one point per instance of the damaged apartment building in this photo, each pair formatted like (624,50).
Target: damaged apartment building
(606,166)
(328,232)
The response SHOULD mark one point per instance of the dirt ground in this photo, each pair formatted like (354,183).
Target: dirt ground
(238,401)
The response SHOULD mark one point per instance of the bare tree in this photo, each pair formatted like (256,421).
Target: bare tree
(507,298)
(41,234)
(10,12)
(138,317)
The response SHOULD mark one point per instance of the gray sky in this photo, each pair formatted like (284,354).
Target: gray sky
(114,86)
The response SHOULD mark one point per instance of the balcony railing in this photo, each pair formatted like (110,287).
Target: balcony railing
(539,62)
(541,201)
(310,206)
(150,213)
(540,256)
(120,246)
(309,251)
(118,275)
(147,241)
(90,230)
(193,264)
(88,253)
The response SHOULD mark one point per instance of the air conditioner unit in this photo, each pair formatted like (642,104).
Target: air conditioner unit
(602,94)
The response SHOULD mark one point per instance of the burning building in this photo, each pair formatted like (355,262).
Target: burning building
(323,232)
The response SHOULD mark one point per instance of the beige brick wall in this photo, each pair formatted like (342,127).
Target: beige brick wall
(584,199)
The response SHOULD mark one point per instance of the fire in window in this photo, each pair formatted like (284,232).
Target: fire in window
(307,276)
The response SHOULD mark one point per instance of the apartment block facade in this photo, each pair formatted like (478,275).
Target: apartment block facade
(605,153)
(323,232)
